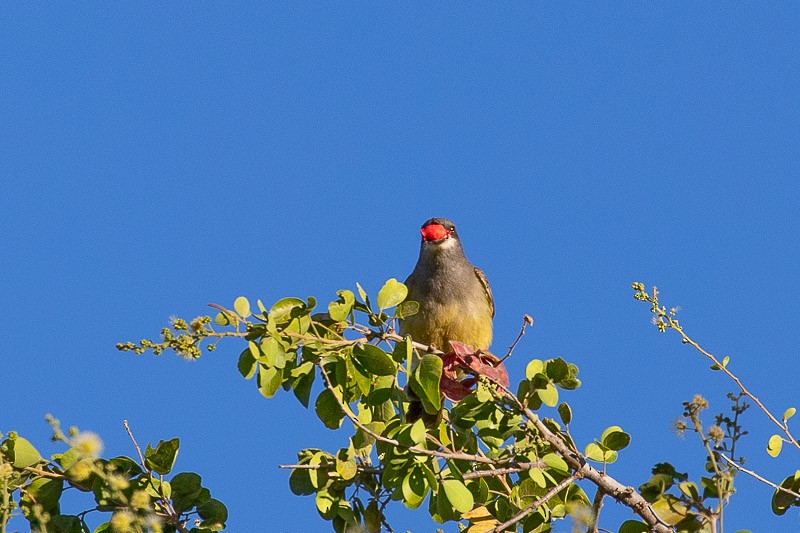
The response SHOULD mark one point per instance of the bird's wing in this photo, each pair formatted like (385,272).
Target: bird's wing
(486,288)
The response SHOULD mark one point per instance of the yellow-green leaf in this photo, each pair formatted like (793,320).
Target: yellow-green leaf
(774,446)
(242,306)
(392,293)
(458,495)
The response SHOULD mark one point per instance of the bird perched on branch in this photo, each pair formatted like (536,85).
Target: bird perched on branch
(455,301)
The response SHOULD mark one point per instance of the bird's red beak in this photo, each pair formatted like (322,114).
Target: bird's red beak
(434,232)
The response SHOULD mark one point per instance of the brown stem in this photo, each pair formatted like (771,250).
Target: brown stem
(688,340)
(535,505)
(518,467)
(764,480)
(625,495)
(597,504)
(527,320)
(135,445)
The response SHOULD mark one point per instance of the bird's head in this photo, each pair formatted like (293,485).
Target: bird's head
(438,230)
(439,233)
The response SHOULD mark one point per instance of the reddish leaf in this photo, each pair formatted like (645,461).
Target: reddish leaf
(471,361)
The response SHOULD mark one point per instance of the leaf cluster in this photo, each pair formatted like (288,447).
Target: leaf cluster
(135,495)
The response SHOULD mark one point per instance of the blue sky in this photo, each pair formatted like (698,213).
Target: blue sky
(156,158)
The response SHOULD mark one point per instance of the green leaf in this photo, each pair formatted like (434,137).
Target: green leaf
(596,453)
(425,382)
(21,453)
(223,319)
(689,488)
(565,412)
(415,488)
(326,504)
(340,309)
(774,445)
(670,509)
(44,491)
(362,293)
(346,466)
(633,526)
(186,489)
(247,364)
(534,367)
(274,352)
(556,463)
(269,380)
(374,360)
(418,432)
(458,495)
(392,293)
(242,307)
(65,524)
(213,512)
(328,410)
(615,439)
(304,378)
(556,369)
(527,492)
(282,310)
(406,309)
(789,413)
(548,395)
(402,351)
(537,476)
(300,482)
(161,459)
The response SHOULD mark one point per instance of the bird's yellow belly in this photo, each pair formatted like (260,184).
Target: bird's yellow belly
(441,323)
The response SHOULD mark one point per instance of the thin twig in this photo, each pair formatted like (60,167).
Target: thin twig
(527,320)
(135,445)
(173,516)
(758,477)
(535,505)
(43,473)
(674,324)
(518,467)
(363,469)
(382,516)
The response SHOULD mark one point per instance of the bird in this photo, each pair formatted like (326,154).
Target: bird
(454,297)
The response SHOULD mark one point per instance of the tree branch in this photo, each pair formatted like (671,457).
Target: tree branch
(535,505)
(519,467)
(597,504)
(625,495)
(416,449)
(764,480)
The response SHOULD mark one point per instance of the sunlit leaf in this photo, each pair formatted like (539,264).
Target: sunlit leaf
(242,306)
(374,360)
(458,495)
(391,294)
(774,445)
